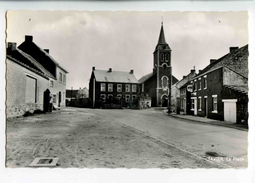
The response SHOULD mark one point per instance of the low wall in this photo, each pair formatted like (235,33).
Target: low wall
(19,110)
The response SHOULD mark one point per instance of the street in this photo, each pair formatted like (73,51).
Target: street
(95,138)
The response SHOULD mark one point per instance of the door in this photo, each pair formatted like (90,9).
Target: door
(195,106)
(30,90)
(59,99)
(206,107)
(164,101)
(230,110)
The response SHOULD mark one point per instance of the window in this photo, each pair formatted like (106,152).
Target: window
(102,87)
(205,82)
(162,57)
(64,79)
(199,103)
(51,83)
(60,76)
(133,98)
(63,96)
(214,102)
(167,57)
(127,88)
(110,87)
(119,87)
(199,83)
(54,98)
(133,88)
(164,81)
(195,85)
(110,96)
(102,96)
(127,98)
(143,87)
(119,96)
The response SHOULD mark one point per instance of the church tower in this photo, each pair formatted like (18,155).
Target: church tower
(163,70)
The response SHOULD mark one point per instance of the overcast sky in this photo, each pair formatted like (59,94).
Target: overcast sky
(126,40)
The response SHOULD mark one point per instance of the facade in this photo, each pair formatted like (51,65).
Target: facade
(26,82)
(220,91)
(156,84)
(176,102)
(55,72)
(108,85)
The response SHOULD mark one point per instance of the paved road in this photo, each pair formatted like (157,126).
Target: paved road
(229,144)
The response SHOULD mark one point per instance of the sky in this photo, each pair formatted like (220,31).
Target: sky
(126,40)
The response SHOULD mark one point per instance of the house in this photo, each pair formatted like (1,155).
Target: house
(220,91)
(26,82)
(176,103)
(108,85)
(156,84)
(71,94)
(56,73)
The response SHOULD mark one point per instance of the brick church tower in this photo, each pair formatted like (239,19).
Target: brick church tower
(156,84)
(162,68)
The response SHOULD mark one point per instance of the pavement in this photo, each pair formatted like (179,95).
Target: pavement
(198,119)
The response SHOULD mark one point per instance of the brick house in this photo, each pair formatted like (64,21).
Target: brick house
(56,73)
(156,84)
(220,91)
(26,82)
(106,85)
(176,102)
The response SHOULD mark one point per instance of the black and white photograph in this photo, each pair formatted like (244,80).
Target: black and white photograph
(127,89)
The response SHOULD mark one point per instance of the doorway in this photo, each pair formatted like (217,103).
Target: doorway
(230,110)
(59,99)
(164,101)
(206,106)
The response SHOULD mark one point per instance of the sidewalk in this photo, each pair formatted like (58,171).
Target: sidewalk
(198,119)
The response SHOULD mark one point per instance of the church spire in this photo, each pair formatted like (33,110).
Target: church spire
(161,39)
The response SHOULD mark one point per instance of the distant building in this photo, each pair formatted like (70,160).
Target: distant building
(26,82)
(82,93)
(156,84)
(108,84)
(176,102)
(71,94)
(220,91)
(57,83)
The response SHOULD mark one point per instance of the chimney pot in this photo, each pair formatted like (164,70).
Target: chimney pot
(28,38)
(232,49)
(11,46)
(110,70)
(47,50)
(93,68)
(132,71)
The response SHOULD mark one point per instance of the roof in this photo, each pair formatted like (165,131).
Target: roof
(114,76)
(27,61)
(243,89)
(162,45)
(236,60)
(148,76)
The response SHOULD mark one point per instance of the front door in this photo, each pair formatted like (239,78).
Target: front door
(59,99)
(195,106)
(164,101)
(206,107)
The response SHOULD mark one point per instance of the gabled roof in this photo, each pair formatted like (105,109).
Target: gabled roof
(114,76)
(27,61)
(162,45)
(236,60)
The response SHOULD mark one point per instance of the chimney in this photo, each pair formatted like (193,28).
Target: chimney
(47,50)
(110,70)
(93,68)
(131,71)
(212,60)
(11,46)
(28,38)
(232,49)
(192,71)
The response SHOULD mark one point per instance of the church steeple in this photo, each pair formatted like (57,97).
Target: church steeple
(161,39)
